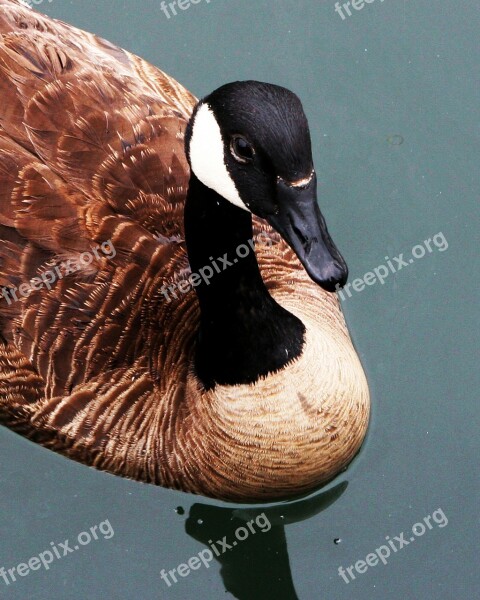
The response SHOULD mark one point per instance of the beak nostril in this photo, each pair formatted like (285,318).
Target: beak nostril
(304,240)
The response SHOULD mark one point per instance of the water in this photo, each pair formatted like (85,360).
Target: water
(391,93)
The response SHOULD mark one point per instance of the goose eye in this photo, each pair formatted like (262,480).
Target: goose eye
(241,150)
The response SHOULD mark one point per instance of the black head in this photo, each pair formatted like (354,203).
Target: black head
(250,142)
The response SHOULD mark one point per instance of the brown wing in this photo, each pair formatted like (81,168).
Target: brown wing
(92,168)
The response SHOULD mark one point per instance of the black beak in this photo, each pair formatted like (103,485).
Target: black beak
(301,224)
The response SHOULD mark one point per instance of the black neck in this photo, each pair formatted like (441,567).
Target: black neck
(244,334)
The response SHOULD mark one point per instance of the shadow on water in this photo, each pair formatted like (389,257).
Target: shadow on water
(257,567)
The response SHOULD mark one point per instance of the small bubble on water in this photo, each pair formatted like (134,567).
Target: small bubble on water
(180,510)
(395,140)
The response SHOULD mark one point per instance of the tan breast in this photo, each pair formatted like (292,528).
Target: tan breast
(291,431)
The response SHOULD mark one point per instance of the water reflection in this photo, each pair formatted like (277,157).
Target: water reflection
(257,567)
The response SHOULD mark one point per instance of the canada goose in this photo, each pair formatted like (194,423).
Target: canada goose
(244,386)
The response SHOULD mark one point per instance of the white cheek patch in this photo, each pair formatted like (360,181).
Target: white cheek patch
(207,157)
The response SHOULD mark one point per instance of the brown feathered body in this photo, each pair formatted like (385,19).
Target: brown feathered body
(98,363)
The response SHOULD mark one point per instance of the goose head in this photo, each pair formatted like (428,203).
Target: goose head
(250,143)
